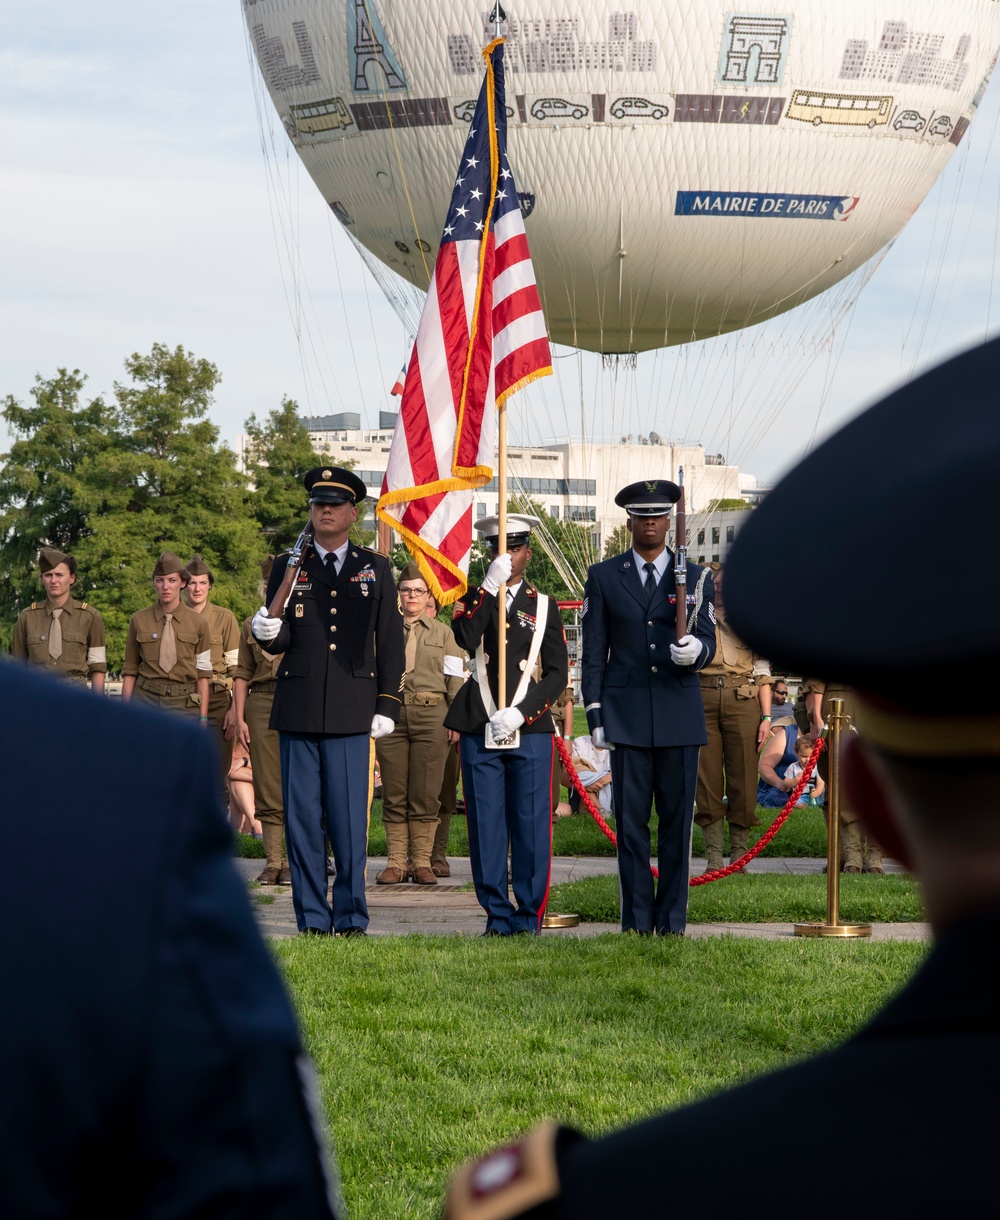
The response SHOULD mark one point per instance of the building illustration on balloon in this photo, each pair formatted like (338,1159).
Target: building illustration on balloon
(617,117)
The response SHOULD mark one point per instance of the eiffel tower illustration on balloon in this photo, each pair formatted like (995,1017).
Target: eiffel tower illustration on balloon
(369,45)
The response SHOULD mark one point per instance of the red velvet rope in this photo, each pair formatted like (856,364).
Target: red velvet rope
(588,803)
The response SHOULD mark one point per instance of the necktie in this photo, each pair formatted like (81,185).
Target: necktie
(411,648)
(55,636)
(650,571)
(331,563)
(168,645)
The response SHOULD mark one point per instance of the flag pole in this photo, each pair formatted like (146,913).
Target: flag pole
(497,16)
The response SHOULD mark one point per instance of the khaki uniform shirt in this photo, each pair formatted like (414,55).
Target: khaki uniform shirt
(83,651)
(734,658)
(142,645)
(224,632)
(254,664)
(440,663)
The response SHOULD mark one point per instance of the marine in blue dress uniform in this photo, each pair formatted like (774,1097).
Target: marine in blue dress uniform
(643,699)
(508,791)
(924,779)
(338,688)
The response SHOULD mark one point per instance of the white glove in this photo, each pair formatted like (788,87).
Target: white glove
(599,740)
(382,726)
(499,574)
(686,651)
(505,722)
(264,627)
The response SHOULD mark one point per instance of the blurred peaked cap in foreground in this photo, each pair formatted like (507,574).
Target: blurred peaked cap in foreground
(884,545)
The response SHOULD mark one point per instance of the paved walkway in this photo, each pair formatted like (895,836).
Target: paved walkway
(448,909)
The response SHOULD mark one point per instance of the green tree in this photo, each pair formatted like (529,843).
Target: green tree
(279,455)
(727,505)
(618,541)
(40,481)
(164,484)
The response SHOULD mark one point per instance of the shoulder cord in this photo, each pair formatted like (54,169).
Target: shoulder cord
(699,595)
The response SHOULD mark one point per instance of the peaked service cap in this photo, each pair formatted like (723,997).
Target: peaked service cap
(519,527)
(334,485)
(649,498)
(903,485)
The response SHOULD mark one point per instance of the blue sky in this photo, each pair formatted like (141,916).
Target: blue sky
(136,209)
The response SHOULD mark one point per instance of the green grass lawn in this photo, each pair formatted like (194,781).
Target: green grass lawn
(760,898)
(432,1050)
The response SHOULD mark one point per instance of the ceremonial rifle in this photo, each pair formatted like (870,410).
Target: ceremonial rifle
(680,559)
(295,557)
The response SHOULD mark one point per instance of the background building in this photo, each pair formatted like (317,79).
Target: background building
(573,480)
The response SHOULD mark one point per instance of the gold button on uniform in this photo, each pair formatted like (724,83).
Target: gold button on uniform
(333,647)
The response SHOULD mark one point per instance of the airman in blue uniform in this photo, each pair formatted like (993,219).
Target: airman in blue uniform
(643,699)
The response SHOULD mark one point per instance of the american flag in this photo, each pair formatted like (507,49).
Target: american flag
(481,337)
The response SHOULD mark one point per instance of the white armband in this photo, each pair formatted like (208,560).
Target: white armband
(231,657)
(454,667)
(203,661)
(97,656)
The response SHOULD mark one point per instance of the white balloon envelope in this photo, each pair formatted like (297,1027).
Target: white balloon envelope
(685,169)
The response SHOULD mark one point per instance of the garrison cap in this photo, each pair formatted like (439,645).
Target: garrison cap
(49,558)
(196,566)
(519,527)
(650,498)
(168,563)
(905,481)
(411,572)
(334,485)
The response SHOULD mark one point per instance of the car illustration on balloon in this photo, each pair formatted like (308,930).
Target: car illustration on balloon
(909,120)
(465,110)
(558,108)
(941,126)
(638,108)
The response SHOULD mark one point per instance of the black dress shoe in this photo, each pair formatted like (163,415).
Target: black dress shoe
(352,932)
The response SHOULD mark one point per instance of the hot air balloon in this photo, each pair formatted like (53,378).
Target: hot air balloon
(685,169)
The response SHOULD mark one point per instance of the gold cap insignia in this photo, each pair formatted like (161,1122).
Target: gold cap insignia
(651,488)
(327,474)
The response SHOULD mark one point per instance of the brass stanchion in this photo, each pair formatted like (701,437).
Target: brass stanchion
(554,920)
(833,927)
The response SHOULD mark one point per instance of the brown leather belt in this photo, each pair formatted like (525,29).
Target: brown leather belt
(155,686)
(725,681)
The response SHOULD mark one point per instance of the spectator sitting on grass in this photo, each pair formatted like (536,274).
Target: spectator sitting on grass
(773,786)
(593,768)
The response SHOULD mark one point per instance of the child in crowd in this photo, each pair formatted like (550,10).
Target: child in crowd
(813,794)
